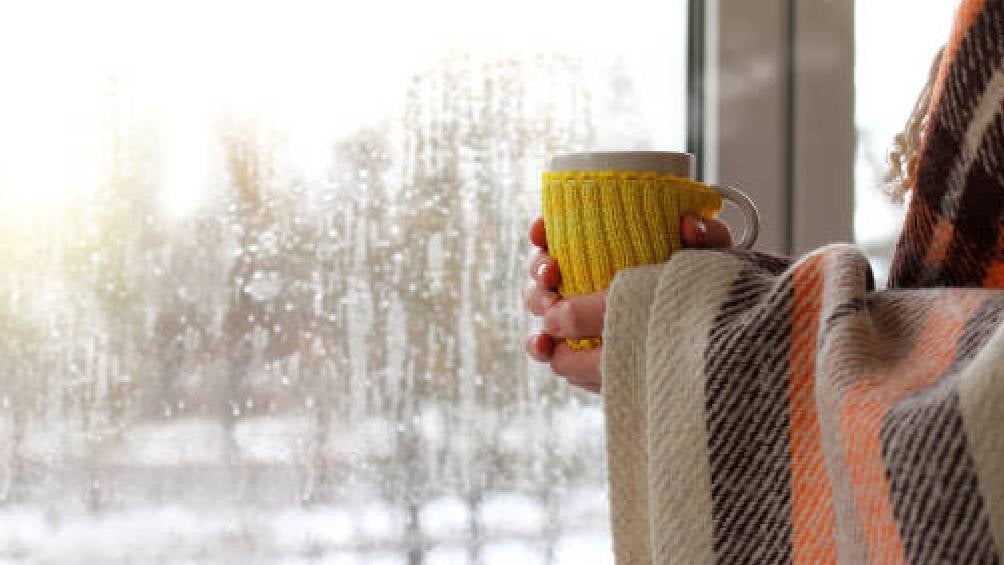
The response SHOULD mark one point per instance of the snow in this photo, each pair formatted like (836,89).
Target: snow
(179,441)
(178,534)
(512,513)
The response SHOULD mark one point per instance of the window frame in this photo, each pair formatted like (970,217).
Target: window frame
(772,111)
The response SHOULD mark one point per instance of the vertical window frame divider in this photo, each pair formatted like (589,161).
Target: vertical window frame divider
(775,114)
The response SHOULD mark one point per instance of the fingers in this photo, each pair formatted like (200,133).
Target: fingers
(538,235)
(580,368)
(577,316)
(540,294)
(704,233)
(540,347)
(544,270)
(538,298)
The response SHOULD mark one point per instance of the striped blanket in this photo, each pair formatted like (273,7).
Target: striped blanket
(767,411)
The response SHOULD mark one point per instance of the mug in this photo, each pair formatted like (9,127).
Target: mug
(607,211)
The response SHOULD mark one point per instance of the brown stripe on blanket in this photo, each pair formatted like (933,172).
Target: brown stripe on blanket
(746,402)
(942,151)
(966,77)
(864,406)
(909,258)
(680,476)
(946,498)
(976,232)
(764,262)
(940,511)
(979,329)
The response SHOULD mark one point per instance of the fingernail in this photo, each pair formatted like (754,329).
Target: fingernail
(541,270)
(702,232)
(539,347)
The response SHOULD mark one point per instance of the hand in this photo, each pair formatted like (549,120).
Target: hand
(582,316)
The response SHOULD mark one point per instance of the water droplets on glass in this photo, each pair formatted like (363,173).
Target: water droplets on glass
(284,336)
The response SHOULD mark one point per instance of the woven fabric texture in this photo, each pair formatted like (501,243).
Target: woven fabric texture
(761,410)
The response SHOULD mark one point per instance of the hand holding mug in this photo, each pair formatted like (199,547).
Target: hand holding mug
(604,212)
(581,316)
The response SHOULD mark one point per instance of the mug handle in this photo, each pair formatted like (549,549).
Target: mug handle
(745,203)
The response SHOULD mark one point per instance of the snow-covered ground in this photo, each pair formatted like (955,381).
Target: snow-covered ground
(366,534)
(165,492)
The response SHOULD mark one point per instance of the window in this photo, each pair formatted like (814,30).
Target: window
(892,67)
(261,268)
(804,100)
(779,120)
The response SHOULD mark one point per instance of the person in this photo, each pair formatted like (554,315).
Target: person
(582,316)
(770,410)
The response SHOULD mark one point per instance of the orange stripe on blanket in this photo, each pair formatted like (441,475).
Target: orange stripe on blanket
(995,275)
(861,418)
(813,523)
(965,17)
(866,403)
(940,241)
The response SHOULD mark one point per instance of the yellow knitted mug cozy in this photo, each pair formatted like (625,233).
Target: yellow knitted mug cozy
(599,222)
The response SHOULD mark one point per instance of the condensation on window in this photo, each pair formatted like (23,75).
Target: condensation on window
(260,277)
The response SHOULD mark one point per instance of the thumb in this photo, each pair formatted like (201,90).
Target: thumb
(698,232)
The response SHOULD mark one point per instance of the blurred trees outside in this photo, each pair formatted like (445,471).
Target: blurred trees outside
(379,312)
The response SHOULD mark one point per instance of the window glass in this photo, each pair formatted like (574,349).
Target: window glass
(261,269)
(896,42)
